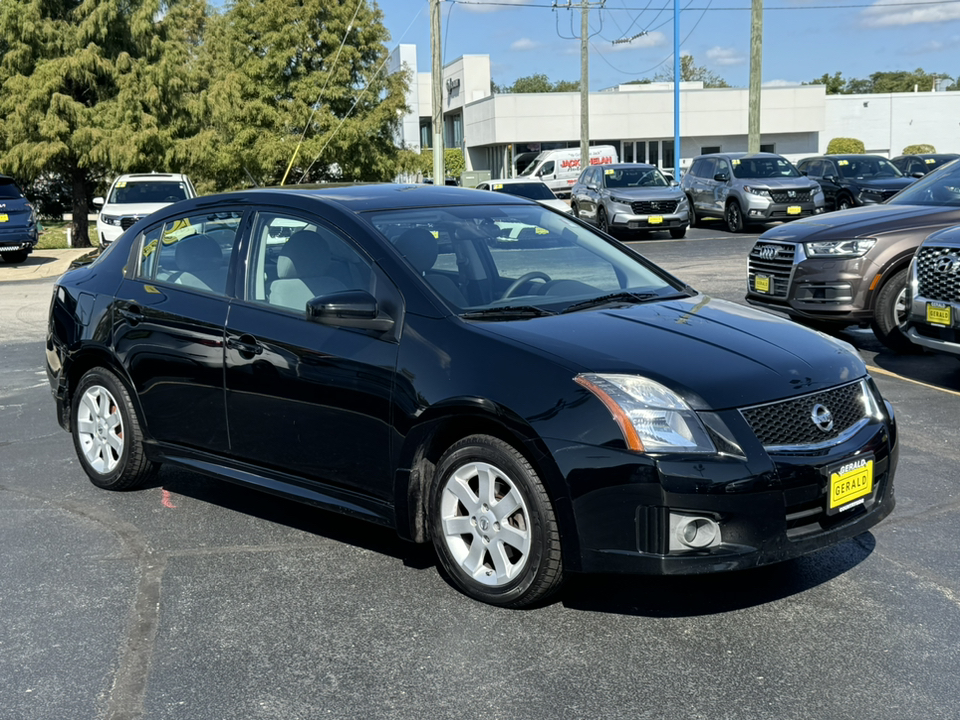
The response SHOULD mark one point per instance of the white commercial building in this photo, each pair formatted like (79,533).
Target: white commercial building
(795,121)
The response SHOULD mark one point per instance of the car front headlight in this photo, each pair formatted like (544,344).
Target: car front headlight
(622,201)
(652,418)
(753,190)
(840,248)
(110,219)
(815,190)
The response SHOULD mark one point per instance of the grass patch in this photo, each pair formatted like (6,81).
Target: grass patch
(54,235)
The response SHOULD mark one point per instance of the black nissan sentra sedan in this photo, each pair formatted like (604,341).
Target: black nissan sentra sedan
(531,409)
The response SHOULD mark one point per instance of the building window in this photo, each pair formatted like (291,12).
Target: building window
(426,133)
(668,153)
(769,147)
(709,149)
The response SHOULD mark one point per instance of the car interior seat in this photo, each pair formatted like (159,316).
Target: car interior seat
(200,264)
(303,272)
(422,249)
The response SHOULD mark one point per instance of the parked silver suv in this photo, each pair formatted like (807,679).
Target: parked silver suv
(630,196)
(933,293)
(749,188)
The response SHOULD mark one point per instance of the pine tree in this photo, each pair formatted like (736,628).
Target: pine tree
(91,87)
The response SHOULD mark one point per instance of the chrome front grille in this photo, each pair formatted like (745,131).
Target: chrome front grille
(938,273)
(775,260)
(649,207)
(790,196)
(789,423)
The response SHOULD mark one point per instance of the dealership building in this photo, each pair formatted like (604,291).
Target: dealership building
(637,119)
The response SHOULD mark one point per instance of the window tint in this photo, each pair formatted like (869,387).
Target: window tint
(125,192)
(813,168)
(294,260)
(9,189)
(708,169)
(547,169)
(193,251)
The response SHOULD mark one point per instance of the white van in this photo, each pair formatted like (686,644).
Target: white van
(559,169)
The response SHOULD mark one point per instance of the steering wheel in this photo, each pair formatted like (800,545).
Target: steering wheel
(524,279)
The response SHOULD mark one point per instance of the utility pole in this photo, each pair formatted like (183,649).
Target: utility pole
(436,52)
(756,75)
(584,6)
(676,90)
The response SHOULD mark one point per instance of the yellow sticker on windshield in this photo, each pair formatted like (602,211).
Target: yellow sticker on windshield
(122,183)
(735,162)
(611,171)
(842,162)
(435,233)
(930,161)
(498,186)
(542,231)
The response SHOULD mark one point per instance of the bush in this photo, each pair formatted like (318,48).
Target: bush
(453,162)
(846,146)
(918,149)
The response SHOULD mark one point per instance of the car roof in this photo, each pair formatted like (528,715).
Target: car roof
(135,177)
(368,197)
(741,155)
(644,166)
(936,156)
(517,181)
(842,156)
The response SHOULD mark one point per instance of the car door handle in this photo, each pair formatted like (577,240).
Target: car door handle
(246,345)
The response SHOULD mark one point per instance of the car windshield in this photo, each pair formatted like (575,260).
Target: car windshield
(633,177)
(511,261)
(532,190)
(131,192)
(9,190)
(763,167)
(867,168)
(940,187)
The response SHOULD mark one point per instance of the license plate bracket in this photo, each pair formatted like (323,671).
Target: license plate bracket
(655,220)
(849,483)
(794,210)
(939,314)
(761,283)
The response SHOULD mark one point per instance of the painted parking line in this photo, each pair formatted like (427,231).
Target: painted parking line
(888,373)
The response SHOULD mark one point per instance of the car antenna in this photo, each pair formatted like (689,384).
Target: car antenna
(255,183)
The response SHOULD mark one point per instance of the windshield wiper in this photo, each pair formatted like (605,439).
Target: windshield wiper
(507,311)
(620,297)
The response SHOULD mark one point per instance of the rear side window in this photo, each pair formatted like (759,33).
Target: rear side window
(9,189)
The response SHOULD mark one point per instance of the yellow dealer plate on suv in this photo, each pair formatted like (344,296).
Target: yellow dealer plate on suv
(849,482)
(761,283)
(794,210)
(655,220)
(938,313)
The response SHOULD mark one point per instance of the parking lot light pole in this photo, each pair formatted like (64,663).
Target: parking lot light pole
(676,90)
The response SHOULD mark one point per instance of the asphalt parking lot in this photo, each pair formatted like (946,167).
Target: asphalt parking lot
(193,598)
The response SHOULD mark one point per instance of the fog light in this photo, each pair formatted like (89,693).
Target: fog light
(693,532)
(756,213)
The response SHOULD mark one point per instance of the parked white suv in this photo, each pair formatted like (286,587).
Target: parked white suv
(132,197)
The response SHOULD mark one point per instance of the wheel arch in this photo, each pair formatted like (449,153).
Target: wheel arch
(85,360)
(900,262)
(426,442)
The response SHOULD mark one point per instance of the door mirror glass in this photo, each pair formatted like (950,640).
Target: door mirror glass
(350,309)
(721,177)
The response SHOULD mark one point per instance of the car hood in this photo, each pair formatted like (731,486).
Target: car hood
(714,353)
(645,193)
(864,221)
(129,209)
(893,183)
(796,183)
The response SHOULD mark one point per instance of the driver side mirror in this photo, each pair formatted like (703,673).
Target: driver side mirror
(721,177)
(349,309)
(98,201)
(917,174)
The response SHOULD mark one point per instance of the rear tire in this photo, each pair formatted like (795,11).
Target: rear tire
(17,256)
(694,220)
(844,202)
(106,433)
(492,524)
(889,315)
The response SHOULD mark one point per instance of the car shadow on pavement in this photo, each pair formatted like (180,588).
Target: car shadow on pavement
(295,515)
(692,595)
(936,369)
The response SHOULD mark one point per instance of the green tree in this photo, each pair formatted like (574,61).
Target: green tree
(879,82)
(845,146)
(691,72)
(919,149)
(835,83)
(89,87)
(283,89)
(537,83)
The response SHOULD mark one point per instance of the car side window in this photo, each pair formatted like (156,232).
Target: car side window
(294,260)
(829,169)
(708,169)
(814,168)
(193,251)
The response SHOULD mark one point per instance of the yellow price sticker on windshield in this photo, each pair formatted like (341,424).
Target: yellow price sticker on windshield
(435,233)
(735,162)
(498,186)
(842,162)
(122,183)
(930,161)
(611,171)
(542,231)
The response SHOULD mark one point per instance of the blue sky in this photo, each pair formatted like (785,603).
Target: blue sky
(803,39)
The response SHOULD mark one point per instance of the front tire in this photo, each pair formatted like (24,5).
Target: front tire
(733,216)
(890,313)
(106,433)
(677,233)
(602,222)
(844,202)
(492,524)
(694,220)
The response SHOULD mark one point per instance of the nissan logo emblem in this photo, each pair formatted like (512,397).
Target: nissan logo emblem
(768,252)
(947,264)
(822,418)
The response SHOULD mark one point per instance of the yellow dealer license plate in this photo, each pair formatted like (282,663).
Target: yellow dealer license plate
(849,484)
(938,313)
(4,217)
(761,283)
(655,220)
(794,210)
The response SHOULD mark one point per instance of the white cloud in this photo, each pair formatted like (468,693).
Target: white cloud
(478,6)
(725,56)
(525,44)
(886,13)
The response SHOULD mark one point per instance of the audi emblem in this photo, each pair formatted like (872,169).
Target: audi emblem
(947,264)
(768,252)
(822,418)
